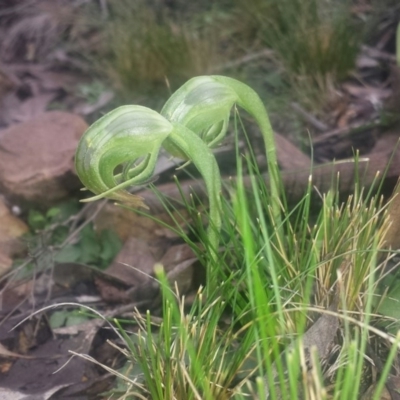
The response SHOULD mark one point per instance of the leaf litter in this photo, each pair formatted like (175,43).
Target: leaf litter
(35,76)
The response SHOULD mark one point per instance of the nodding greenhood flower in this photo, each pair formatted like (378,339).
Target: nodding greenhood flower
(194,119)
(131,137)
(125,135)
(203,104)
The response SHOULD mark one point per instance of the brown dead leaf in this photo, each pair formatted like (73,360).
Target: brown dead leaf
(365,61)
(5,366)
(392,237)
(126,223)
(5,264)
(393,387)
(179,262)
(85,108)
(321,334)
(31,334)
(54,80)
(374,94)
(370,394)
(6,83)
(176,255)
(111,292)
(7,394)
(7,353)
(15,110)
(134,263)
(11,231)
(111,289)
(390,392)
(319,337)
(37,375)
(11,299)
(11,227)
(69,275)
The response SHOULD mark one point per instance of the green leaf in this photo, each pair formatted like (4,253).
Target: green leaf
(66,318)
(75,318)
(90,246)
(36,220)
(52,212)
(110,246)
(66,210)
(390,307)
(71,253)
(60,233)
(58,318)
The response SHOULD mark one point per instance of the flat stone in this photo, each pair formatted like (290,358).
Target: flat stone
(36,158)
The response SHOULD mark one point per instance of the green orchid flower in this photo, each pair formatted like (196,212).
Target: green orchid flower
(131,137)
(120,150)
(126,134)
(203,104)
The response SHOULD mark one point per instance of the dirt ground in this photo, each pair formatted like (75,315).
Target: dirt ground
(39,72)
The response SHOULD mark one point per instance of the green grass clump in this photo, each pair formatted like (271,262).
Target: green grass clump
(151,48)
(290,283)
(316,41)
(244,339)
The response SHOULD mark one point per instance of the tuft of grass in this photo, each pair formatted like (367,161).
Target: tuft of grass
(186,355)
(293,282)
(316,41)
(247,339)
(151,48)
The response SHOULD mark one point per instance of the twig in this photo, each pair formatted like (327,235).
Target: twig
(378,54)
(348,130)
(70,237)
(17,8)
(317,124)
(243,60)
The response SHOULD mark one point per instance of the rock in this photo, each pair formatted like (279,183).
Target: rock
(36,158)
(11,230)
